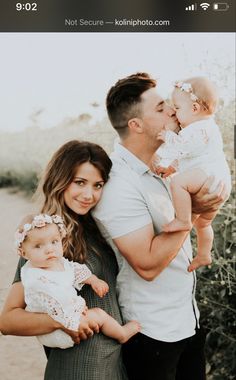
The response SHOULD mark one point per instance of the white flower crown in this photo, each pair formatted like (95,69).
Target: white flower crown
(186,87)
(39,221)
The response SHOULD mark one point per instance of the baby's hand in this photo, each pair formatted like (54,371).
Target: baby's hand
(161,135)
(165,172)
(100,287)
(84,312)
(174,127)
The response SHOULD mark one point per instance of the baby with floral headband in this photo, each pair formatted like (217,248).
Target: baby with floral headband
(195,152)
(50,282)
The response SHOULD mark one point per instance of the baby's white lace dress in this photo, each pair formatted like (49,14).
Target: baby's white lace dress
(199,145)
(53,292)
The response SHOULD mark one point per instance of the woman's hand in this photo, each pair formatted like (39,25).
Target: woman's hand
(203,201)
(87,328)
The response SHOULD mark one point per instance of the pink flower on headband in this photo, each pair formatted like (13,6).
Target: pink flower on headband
(57,219)
(39,221)
(186,87)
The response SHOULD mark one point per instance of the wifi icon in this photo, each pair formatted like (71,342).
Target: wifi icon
(204,6)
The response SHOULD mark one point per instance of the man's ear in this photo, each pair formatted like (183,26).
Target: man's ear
(135,125)
(196,107)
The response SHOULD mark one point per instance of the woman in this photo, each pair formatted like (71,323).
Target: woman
(72,186)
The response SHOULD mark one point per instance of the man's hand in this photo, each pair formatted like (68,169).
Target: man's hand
(203,201)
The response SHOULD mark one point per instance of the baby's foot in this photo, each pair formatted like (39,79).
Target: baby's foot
(131,328)
(199,261)
(177,225)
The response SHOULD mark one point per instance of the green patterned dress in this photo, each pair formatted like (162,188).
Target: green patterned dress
(99,357)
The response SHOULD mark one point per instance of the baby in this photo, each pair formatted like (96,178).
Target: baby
(196,153)
(50,280)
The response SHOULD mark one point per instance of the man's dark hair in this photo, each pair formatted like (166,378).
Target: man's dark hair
(123,100)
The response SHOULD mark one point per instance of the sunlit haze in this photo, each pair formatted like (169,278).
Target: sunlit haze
(47,78)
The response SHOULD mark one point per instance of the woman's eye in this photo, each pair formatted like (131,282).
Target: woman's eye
(79,183)
(160,110)
(38,246)
(55,241)
(98,185)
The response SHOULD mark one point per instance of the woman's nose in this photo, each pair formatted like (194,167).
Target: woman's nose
(88,193)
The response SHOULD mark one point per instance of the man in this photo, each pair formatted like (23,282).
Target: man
(154,286)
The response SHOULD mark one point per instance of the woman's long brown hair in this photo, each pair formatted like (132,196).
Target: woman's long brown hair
(58,175)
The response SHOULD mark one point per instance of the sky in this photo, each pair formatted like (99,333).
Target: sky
(49,77)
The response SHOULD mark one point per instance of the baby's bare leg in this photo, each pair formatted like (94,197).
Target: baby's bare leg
(205,236)
(110,327)
(182,186)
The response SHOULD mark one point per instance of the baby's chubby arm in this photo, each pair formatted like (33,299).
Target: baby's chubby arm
(83,275)
(100,287)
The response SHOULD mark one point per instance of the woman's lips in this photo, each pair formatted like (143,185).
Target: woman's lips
(85,204)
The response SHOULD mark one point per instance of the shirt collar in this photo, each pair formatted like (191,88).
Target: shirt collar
(134,162)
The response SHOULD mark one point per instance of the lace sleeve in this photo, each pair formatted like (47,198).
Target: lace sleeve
(81,273)
(44,303)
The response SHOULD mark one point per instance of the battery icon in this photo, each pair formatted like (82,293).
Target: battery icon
(220,6)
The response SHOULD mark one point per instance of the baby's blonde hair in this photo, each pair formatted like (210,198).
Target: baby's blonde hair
(206,92)
(27,219)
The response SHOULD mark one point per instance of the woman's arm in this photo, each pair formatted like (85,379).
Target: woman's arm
(15,320)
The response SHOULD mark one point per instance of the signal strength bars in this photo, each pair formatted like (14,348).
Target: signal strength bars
(192,7)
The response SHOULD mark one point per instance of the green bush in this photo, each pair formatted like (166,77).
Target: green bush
(26,182)
(216,295)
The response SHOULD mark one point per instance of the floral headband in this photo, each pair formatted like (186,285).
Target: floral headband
(39,221)
(186,87)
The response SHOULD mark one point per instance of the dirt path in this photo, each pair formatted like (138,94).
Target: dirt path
(20,358)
